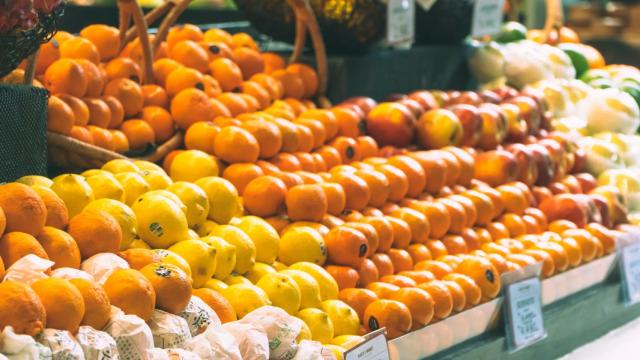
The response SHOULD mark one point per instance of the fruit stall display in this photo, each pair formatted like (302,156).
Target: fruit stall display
(286,231)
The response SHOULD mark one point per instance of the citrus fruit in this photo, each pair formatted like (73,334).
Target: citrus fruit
(201,258)
(344,318)
(302,244)
(96,303)
(309,288)
(23,208)
(319,324)
(282,290)
(245,248)
(21,308)
(218,303)
(63,303)
(263,235)
(171,285)
(245,298)
(132,292)
(225,255)
(191,165)
(161,222)
(258,271)
(223,198)
(328,285)
(123,214)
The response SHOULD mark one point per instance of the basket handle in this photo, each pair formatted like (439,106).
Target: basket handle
(306,21)
(151,17)
(555,17)
(169,20)
(130,9)
(30,71)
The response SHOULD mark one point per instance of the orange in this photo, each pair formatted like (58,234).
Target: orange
(383,263)
(49,52)
(82,134)
(66,76)
(472,292)
(60,247)
(171,285)
(367,272)
(242,39)
(496,248)
(264,196)
(331,156)
(297,106)
(336,198)
(99,112)
(514,246)
(317,130)
(15,245)
(201,136)
(234,144)
(273,62)
(419,276)
(540,217)
(162,68)
(326,117)
(397,180)
(218,303)
(290,179)
(521,260)
(290,135)
(346,246)
(384,229)
(369,232)
(308,76)
(351,215)
(235,103)
(483,273)
(496,199)
(513,198)
(442,298)
(498,261)
(548,265)
(357,299)
(60,116)
(249,61)
(79,108)
(604,235)
(123,68)
(419,252)
(498,231)
(382,290)
(390,314)
(471,213)
(401,260)
(435,168)
(452,260)
(21,308)
(438,216)
(80,48)
(292,83)
(96,303)
(102,138)
(345,276)
(241,174)
(399,280)
(306,161)
(420,304)
(258,92)
(227,73)
(286,162)
(216,49)
(458,295)
(62,302)
(415,173)
(190,54)
(217,35)
(350,124)
(95,232)
(120,141)
(132,292)
(192,105)
(168,160)
(419,224)
(437,248)
(557,252)
(483,205)
(105,38)
(560,226)
(401,232)
(116,110)
(347,148)
(24,209)
(438,268)
(378,185)
(368,147)
(183,78)
(128,92)
(139,133)
(273,86)
(160,121)
(356,190)
(184,32)
(514,224)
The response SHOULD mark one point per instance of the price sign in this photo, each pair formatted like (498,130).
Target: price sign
(487,17)
(523,307)
(401,21)
(426,4)
(630,270)
(374,348)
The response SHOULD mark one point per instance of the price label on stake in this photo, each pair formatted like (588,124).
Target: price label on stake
(401,21)
(375,347)
(630,269)
(487,17)
(523,307)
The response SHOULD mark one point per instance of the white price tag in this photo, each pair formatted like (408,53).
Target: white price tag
(630,269)
(487,17)
(401,21)
(523,307)
(426,4)
(374,348)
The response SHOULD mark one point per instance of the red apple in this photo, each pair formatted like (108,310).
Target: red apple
(466,97)
(366,104)
(471,121)
(391,124)
(603,207)
(425,99)
(587,182)
(496,167)
(494,126)
(573,184)
(490,96)
(529,110)
(517,128)
(414,106)
(394,97)
(527,167)
(439,128)
(566,207)
(546,170)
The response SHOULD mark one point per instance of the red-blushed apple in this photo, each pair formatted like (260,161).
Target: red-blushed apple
(529,111)
(414,106)
(442,98)
(566,207)
(471,121)
(557,153)
(593,213)
(573,184)
(527,168)
(546,169)
(587,182)
(467,164)
(617,203)
(425,99)
(466,97)
(496,167)
(603,207)
(366,104)
(394,97)
(580,163)
(439,128)
(490,96)
(506,92)
(517,128)
(558,188)
(494,126)
(541,193)
(391,124)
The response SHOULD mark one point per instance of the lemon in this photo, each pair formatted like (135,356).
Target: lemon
(195,199)
(282,290)
(193,235)
(347,341)
(225,257)
(192,165)
(201,258)
(148,165)
(92,172)
(263,235)
(106,186)
(161,223)
(157,180)
(32,180)
(215,284)
(139,244)
(170,257)
(74,191)
(206,228)
(245,248)
(302,244)
(337,351)
(120,166)
(345,320)
(305,332)
(245,298)
(309,288)
(258,271)
(328,285)
(223,198)
(323,230)
(279,266)
(134,186)
(123,214)
(233,279)
(319,323)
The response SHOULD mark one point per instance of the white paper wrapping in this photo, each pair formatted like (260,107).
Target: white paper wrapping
(282,330)
(102,265)
(62,344)
(21,347)
(199,316)
(168,330)
(214,344)
(309,350)
(131,333)
(171,354)
(28,269)
(252,340)
(97,345)
(71,273)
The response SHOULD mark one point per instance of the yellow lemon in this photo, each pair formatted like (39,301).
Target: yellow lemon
(120,166)
(223,198)
(347,341)
(328,285)
(309,288)
(193,235)
(201,258)
(258,271)
(302,244)
(245,298)
(170,257)
(305,332)
(33,180)
(139,244)
(206,228)
(323,230)
(337,351)
(279,266)
(225,255)
(106,186)
(192,165)
(319,323)
(345,320)
(74,191)
(168,195)
(157,180)
(245,248)
(148,165)
(282,290)
(134,185)
(161,223)
(233,279)
(195,199)
(92,172)
(215,284)
(263,235)
(123,214)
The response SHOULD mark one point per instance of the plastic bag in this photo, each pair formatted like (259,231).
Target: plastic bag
(168,330)
(309,350)
(282,330)
(62,344)
(131,333)
(102,265)
(199,316)
(71,273)
(28,269)
(214,344)
(21,347)
(252,340)
(96,345)
(171,354)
